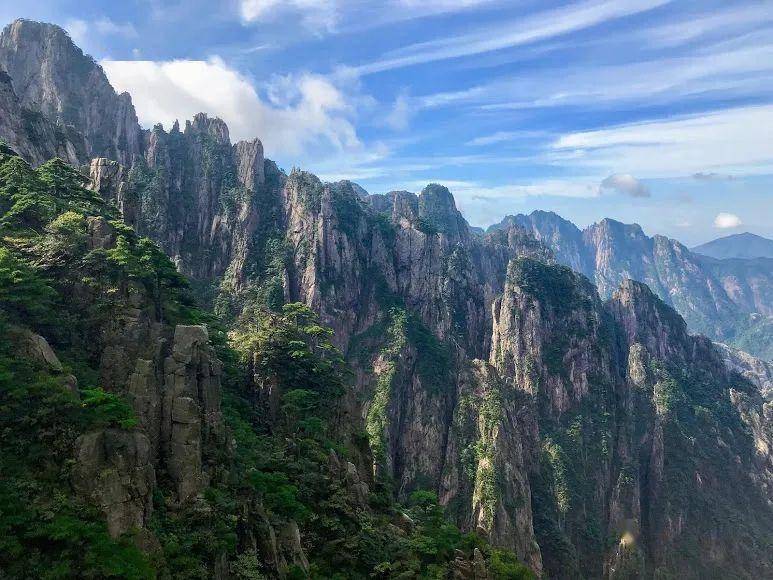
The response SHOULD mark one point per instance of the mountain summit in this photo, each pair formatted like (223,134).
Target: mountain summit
(744,246)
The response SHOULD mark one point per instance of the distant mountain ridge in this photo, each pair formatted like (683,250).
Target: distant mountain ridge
(743,246)
(728,300)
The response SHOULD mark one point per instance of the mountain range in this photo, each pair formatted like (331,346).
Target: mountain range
(237,372)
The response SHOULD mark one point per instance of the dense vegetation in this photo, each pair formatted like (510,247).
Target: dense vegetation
(45,530)
(286,465)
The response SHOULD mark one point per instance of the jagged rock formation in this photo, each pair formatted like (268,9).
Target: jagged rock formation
(193,192)
(593,439)
(53,77)
(728,300)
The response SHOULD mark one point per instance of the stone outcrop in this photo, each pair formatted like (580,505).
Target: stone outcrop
(191,408)
(53,77)
(114,469)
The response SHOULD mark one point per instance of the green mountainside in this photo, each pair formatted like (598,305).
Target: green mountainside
(213,368)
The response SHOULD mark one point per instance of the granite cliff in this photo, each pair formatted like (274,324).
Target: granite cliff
(728,300)
(365,386)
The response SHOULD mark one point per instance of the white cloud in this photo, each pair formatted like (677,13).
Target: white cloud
(527,30)
(725,221)
(732,140)
(626,184)
(304,111)
(717,21)
(317,15)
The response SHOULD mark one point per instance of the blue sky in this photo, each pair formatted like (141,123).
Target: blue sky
(651,111)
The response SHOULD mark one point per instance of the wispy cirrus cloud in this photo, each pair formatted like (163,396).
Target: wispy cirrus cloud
(317,15)
(734,140)
(506,136)
(323,17)
(722,21)
(537,27)
(745,69)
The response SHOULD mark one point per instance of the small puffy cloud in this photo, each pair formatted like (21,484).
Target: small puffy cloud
(725,221)
(625,184)
(300,112)
(316,15)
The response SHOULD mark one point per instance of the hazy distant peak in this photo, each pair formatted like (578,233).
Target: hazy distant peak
(744,245)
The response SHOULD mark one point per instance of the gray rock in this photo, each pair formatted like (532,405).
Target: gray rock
(51,75)
(36,347)
(113,469)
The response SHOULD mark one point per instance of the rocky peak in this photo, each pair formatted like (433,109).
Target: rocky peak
(53,76)
(645,319)
(438,208)
(560,235)
(214,127)
(250,163)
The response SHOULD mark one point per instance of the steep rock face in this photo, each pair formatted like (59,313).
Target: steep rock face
(690,417)
(554,343)
(193,193)
(191,408)
(759,372)
(409,292)
(171,377)
(716,297)
(53,77)
(31,134)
